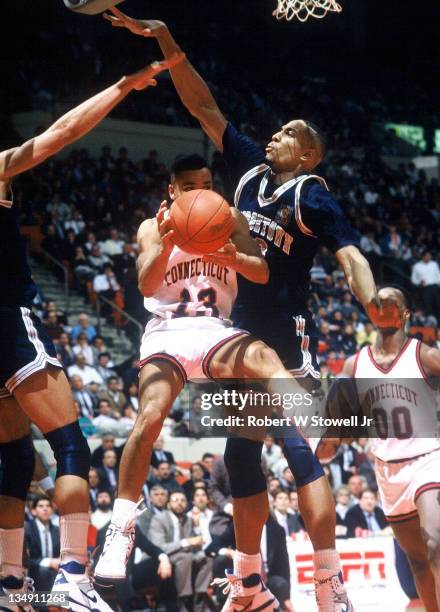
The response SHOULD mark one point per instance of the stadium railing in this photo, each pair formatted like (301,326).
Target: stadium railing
(66,273)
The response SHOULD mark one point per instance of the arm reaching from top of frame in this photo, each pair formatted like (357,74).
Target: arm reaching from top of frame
(361,282)
(78,121)
(190,86)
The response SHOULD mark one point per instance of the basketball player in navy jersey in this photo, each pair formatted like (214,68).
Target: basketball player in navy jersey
(290,213)
(33,386)
(407,462)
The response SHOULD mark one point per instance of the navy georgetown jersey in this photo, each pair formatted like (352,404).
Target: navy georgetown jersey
(290,222)
(16,285)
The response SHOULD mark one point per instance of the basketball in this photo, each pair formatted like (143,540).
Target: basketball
(201,220)
(90,7)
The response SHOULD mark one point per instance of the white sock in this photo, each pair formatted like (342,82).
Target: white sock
(244,564)
(11,552)
(73,537)
(122,510)
(327,558)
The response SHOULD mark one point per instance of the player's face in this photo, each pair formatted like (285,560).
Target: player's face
(189,180)
(289,148)
(389,295)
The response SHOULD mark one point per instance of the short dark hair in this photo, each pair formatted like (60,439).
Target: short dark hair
(406,297)
(39,498)
(317,132)
(278,493)
(200,489)
(367,491)
(183,163)
(207,456)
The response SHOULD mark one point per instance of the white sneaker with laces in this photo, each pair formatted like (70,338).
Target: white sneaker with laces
(331,595)
(111,566)
(11,586)
(250,594)
(81,594)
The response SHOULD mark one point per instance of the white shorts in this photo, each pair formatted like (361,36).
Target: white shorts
(188,342)
(400,484)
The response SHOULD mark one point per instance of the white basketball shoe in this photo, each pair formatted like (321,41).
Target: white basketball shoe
(331,595)
(249,593)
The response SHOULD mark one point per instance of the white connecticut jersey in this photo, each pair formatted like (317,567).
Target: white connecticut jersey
(193,288)
(401,402)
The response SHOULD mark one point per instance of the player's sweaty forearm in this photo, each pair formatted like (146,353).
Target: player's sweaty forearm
(193,91)
(359,276)
(190,86)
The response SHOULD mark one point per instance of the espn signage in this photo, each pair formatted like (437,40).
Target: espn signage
(368,568)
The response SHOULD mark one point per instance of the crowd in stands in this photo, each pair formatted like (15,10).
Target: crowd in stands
(184,532)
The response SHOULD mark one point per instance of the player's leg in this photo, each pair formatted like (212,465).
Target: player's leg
(408,534)
(161,381)
(428,506)
(246,357)
(249,358)
(45,397)
(17,458)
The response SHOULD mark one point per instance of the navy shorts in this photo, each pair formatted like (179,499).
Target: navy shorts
(296,343)
(25,348)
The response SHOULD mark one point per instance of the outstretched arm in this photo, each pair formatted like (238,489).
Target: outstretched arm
(190,86)
(77,122)
(361,282)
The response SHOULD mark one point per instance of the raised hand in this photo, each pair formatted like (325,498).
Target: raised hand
(386,314)
(145,78)
(141,27)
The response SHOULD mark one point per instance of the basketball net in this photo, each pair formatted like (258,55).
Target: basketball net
(303,9)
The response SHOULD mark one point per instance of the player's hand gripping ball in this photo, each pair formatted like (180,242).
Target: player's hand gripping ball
(201,221)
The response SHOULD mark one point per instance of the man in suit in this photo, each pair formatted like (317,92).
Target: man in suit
(43,544)
(85,399)
(108,473)
(114,395)
(108,443)
(276,561)
(158,496)
(94,487)
(366,516)
(159,454)
(173,531)
(164,477)
(289,522)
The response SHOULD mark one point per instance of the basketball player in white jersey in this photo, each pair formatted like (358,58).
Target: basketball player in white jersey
(33,386)
(394,379)
(190,337)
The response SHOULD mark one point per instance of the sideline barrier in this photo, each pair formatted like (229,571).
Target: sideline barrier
(368,566)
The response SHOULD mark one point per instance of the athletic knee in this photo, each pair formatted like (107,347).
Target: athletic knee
(419,565)
(264,359)
(243,463)
(18,461)
(71,451)
(302,461)
(432,543)
(148,424)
